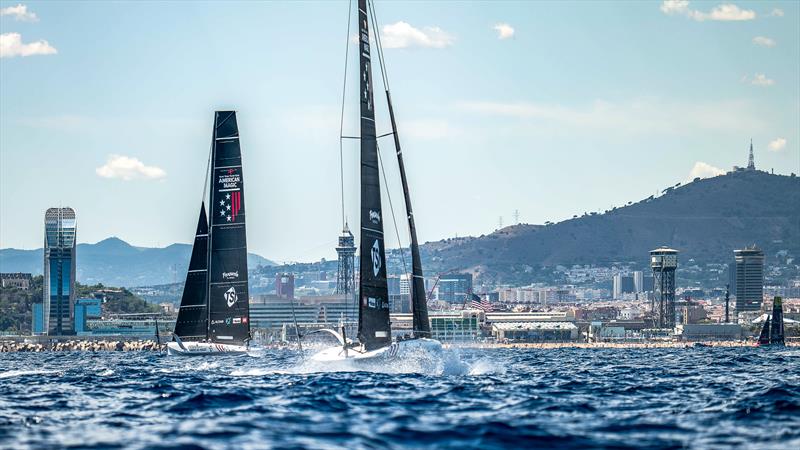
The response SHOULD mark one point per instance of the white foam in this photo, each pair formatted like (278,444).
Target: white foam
(22,373)
(485,367)
(256,372)
(106,373)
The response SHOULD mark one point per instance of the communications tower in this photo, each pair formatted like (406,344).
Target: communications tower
(345,277)
(664,261)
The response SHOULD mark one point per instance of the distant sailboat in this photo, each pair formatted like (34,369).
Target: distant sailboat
(374,328)
(772,333)
(214,317)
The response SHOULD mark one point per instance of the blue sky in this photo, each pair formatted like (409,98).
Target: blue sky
(549,108)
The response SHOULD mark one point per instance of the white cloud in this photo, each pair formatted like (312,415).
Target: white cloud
(403,35)
(504,30)
(11,45)
(675,6)
(128,168)
(764,41)
(19,12)
(704,170)
(761,80)
(778,144)
(724,12)
(777,12)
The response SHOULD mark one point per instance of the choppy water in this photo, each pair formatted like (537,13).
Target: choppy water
(499,398)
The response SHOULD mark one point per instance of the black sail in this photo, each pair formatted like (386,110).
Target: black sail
(419,303)
(373,312)
(229,310)
(776,335)
(192,323)
(763,338)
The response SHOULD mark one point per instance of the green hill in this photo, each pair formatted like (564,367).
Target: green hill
(705,220)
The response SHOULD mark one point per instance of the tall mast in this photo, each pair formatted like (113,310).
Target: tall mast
(228,295)
(419,304)
(373,312)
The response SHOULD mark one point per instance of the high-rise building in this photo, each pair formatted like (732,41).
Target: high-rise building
(399,293)
(623,284)
(638,281)
(455,288)
(59,271)
(284,285)
(749,287)
(664,261)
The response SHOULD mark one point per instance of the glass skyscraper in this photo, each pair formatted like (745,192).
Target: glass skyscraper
(59,271)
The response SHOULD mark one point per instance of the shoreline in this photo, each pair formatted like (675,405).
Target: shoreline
(139,345)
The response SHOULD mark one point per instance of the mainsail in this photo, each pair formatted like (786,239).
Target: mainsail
(776,335)
(763,338)
(228,312)
(373,325)
(192,323)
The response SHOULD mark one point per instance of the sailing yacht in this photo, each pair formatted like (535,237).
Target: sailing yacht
(772,333)
(214,317)
(374,329)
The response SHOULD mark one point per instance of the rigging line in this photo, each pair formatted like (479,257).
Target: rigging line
(391,208)
(341,117)
(208,169)
(382,62)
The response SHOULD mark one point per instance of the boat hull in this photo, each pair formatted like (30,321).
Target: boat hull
(396,351)
(204,349)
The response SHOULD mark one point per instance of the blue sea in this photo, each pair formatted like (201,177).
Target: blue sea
(487,399)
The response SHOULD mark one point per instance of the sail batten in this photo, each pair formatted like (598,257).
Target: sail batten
(373,326)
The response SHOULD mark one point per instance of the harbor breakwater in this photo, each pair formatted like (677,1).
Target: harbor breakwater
(81,346)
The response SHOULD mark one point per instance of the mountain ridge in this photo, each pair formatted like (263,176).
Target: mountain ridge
(115,262)
(705,220)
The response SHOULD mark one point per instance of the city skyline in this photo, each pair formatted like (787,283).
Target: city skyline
(498,108)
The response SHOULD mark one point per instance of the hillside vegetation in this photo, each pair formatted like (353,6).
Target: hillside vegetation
(705,220)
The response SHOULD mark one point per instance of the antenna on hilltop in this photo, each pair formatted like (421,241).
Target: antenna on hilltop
(516,217)
(751,165)
(500,223)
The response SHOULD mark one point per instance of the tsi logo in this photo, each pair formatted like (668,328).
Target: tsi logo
(374,216)
(376,258)
(230,296)
(230,275)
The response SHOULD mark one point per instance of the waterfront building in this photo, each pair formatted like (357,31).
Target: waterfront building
(534,331)
(273,315)
(454,288)
(446,326)
(749,279)
(59,271)
(86,308)
(16,280)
